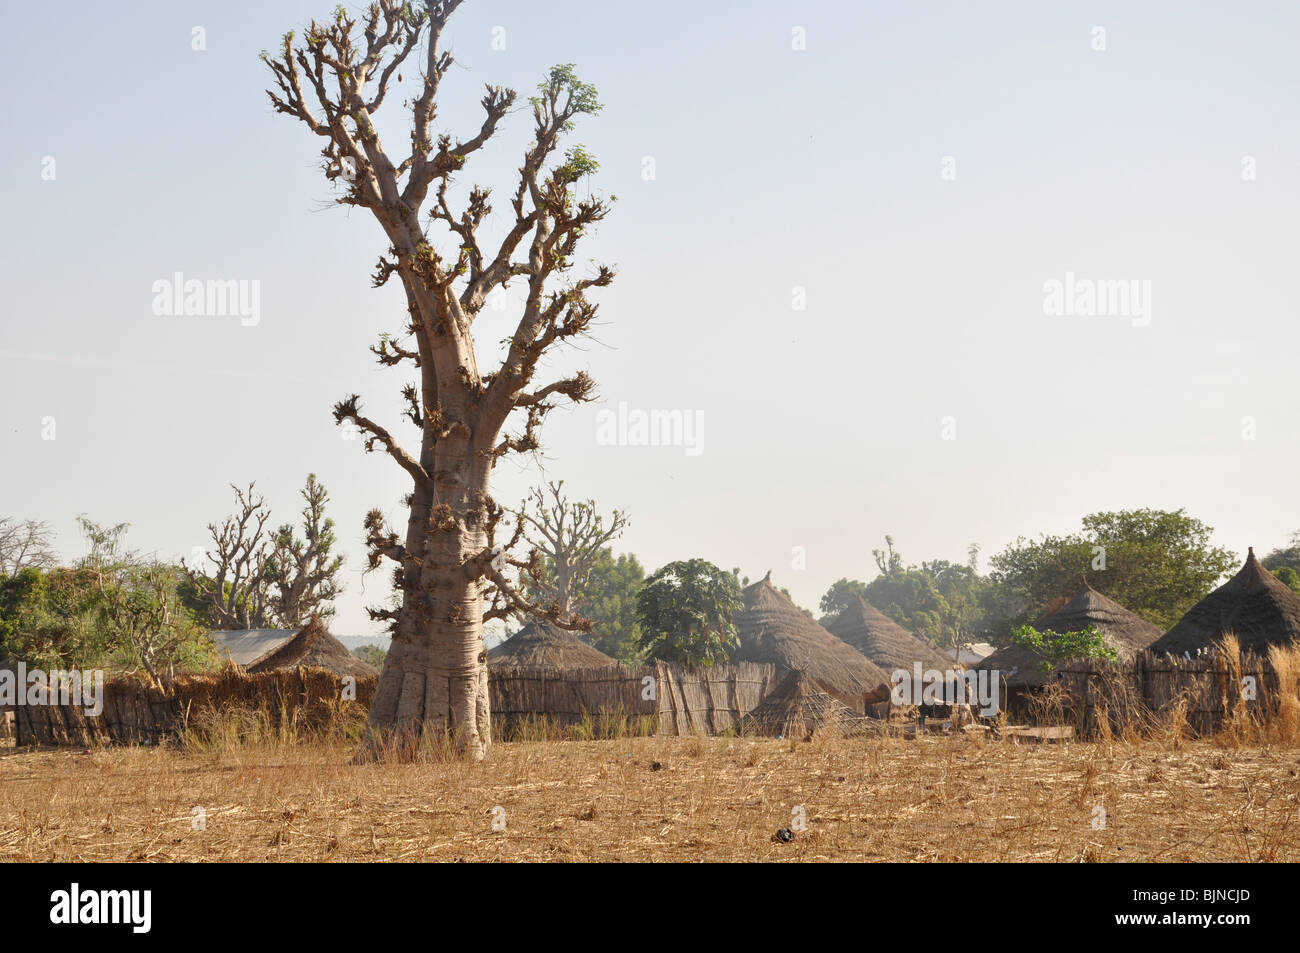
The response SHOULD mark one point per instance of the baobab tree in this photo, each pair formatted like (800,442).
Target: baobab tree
(450,567)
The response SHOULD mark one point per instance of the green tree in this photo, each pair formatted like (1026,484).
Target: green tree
(841,595)
(372,655)
(947,603)
(1157,563)
(1289,577)
(148,623)
(195,590)
(49,619)
(140,607)
(911,598)
(24,597)
(609,600)
(943,602)
(1057,648)
(1286,560)
(685,610)
(965,601)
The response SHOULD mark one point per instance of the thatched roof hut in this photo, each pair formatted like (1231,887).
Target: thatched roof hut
(797,707)
(883,640)
(1124,631)
(1254,605)
(772,629)
(542,645)
(313,647)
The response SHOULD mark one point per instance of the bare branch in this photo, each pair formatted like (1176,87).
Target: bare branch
(350,409)
(237,592)
(26,544)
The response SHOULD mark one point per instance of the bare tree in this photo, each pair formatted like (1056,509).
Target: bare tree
(236,591)
(448,562)
(259,578)
(26,544)
(570,535)
(303,573)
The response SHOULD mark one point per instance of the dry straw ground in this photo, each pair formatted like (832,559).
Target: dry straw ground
(936,798)
(285,789)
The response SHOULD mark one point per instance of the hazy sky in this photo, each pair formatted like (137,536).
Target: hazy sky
(915,176)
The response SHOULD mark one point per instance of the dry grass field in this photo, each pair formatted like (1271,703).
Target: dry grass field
(661,799)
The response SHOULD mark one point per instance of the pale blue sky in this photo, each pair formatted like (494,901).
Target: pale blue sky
(775,168)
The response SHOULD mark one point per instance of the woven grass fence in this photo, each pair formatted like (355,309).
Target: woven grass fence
(679,701)
(136,713)
(566,695)
(697,701)
(1209,690)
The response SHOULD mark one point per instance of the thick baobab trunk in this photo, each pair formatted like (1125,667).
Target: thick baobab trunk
(434,686)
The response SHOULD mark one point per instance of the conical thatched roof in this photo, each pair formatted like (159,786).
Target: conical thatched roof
(1124,631)
(772,629)
(542,645)
(313,647)
(1254,605)
(883,640)
(797,708)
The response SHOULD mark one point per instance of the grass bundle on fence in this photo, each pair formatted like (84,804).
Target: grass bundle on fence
(271,709)
(1284,718)
(1049,705)
(216,729)
(1236,725)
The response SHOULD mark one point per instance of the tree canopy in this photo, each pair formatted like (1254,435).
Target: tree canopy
(942,602)
(1284,562)
(686,609)
(1156,563)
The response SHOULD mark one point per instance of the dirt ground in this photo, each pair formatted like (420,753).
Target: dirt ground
(657,799)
